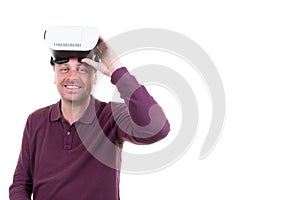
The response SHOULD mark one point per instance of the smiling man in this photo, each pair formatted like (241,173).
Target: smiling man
(71,150)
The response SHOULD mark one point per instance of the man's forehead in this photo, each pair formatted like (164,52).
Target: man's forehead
(76,64)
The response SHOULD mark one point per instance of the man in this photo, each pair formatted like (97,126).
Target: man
(71,150)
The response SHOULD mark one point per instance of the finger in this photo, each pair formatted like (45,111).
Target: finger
(90,62)
(102,48)
(98,66)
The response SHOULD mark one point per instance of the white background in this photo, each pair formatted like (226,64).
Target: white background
(255,47)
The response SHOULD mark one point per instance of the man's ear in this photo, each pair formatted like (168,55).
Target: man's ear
(54,74)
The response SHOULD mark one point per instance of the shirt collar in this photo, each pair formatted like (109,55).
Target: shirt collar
(87,118)
(56,114)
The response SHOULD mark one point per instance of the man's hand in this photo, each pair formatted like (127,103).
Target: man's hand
(109,60)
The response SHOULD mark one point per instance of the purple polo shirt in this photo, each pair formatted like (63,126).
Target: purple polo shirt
(81,161)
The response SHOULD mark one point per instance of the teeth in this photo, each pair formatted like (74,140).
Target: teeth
(72,86)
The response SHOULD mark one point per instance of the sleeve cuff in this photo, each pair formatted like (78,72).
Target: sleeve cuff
(116,75)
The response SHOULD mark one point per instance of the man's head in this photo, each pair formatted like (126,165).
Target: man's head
(68,46)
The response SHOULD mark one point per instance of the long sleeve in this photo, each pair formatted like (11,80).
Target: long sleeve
(142,120)
(21,188)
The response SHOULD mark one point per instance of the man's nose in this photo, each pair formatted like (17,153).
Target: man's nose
(73,73)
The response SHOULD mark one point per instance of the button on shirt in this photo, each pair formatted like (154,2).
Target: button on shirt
(81,161)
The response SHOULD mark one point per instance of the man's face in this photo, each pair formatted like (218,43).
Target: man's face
(74,80)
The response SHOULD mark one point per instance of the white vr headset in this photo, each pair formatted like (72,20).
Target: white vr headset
(67,42)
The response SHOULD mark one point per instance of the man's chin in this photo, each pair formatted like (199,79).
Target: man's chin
(75,99)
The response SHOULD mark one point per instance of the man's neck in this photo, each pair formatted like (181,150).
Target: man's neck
(73,111)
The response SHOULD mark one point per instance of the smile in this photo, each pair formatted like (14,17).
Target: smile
(72,86)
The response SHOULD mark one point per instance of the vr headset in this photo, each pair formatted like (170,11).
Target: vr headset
(67,42)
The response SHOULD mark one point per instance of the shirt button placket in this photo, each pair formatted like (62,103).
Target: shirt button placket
(68,141)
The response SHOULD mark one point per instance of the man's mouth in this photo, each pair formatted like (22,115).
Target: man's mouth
(72,86)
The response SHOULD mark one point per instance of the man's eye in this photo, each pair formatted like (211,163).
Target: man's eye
(83,70)
(64,70)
